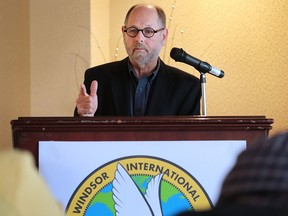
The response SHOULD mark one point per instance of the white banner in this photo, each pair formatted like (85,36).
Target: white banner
(80,174)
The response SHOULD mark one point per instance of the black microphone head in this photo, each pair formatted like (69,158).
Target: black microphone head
(177,54)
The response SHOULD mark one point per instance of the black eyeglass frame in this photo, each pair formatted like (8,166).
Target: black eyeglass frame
(142,30)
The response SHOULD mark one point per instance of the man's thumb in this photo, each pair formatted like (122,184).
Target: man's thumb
(93,88)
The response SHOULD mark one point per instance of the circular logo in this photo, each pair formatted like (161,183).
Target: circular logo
(138,184)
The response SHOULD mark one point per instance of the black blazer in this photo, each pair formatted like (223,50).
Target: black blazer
(173,92)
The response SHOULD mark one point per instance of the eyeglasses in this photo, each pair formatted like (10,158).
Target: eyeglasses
(147,32)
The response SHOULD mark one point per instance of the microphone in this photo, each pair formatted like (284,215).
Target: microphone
(203,67)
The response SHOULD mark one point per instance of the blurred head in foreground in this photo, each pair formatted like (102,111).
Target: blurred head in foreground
(258,182)
(23,192)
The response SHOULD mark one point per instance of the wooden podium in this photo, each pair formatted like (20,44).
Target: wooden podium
(28,131)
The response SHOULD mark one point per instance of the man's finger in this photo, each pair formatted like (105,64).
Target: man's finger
(83,91)
(93,88)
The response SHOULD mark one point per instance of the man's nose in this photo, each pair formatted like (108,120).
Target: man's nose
(140,37)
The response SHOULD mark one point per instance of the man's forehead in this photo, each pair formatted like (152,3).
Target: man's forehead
(143,15)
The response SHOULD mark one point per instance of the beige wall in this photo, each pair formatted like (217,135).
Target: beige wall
(14,61)
(60,51)
(47,45)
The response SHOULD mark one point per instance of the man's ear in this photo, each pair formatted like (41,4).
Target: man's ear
(164,36)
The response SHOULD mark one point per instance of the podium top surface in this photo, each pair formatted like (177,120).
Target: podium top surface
(192,122)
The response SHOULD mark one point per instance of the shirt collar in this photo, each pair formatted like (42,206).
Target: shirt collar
(151,77)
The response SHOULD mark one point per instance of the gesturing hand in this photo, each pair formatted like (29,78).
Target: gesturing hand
(87,104)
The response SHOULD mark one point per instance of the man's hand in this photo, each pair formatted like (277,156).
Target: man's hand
(87,104)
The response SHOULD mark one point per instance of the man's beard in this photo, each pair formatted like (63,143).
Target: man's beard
(142,58)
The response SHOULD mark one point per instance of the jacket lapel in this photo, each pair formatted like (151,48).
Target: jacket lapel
(120,88)
(161,89)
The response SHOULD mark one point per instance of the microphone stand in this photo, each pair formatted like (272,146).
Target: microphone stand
(203,89)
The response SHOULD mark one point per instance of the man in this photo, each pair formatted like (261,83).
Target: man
(141,84)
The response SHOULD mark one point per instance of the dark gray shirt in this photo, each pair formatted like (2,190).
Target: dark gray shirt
(139,91)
